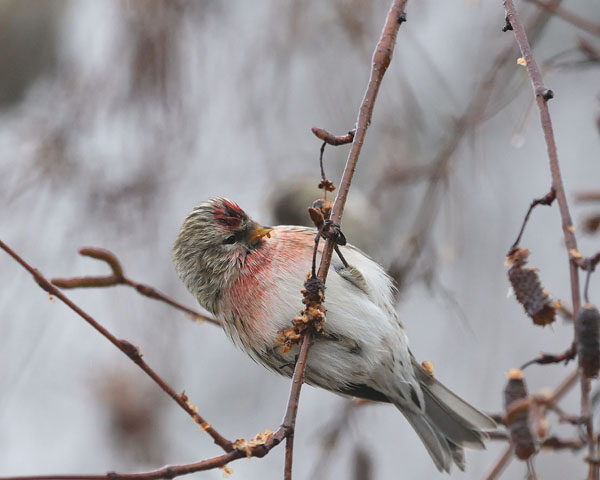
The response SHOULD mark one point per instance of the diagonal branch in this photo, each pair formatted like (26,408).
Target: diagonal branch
(542,95)
(118,278)
(381,60)
(571,17)
(127,348)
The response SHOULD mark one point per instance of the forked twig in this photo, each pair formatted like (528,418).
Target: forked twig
(381,60)
(126,347)
(118,278)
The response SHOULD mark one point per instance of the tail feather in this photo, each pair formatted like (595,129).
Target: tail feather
(458,455)
(435,443)
(447,423)
(451,401)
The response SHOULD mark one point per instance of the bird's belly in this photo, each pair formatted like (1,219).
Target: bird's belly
(355,330)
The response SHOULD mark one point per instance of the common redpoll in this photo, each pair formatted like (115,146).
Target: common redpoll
(250,277)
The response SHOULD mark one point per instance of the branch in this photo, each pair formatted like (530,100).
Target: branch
(119,278)
(546,358)
(381,60)
(542,95)
(437,170)
(547,200)
(500,465)
(573,18)
(238,449)
(332,139)
(589,196)
(234,450)
(127,348)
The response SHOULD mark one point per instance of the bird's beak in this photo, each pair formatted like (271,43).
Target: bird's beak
(259,232)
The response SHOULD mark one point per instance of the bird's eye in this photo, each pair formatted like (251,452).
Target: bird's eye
(229,240)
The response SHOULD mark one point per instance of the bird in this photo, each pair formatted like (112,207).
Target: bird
(250,276)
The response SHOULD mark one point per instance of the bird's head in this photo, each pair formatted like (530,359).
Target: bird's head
(211,247)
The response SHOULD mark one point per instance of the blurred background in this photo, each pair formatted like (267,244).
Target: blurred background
(118,117)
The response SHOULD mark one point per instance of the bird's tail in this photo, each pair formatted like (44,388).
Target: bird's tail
(447,424)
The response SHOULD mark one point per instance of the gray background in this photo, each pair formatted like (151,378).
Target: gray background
(118,117)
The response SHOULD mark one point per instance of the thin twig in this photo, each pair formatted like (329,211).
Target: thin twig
(439,167)
(587,285)
(499,466)
(289,420)
(564,386)
(588,196)
(573,18)
(118,278)
(381,60)
(331,139)
(589,265)
(547,200)
(546,358)
(531,469)
(126,347)
(215,462)
(542,95)
(550,443)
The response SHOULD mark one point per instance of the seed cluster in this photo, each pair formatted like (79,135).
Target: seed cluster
(312,316)
(536,301)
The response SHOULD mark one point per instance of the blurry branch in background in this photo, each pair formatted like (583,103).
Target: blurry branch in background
(525,415)
(591,223)
(119,278)
(263,442)
(573,18)
(436,172)
(589,57)
(332,435)
(591,196)
(133,352)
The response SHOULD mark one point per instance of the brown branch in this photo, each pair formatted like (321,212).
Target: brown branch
(542,95)
(547,200)
(331,437)
(550,443)
(573,18)
(439,167)
(564,386)
(127,348)
(500,465)
(591,196)
(556,443)
(165,472)
(531,470)
(332,139)
(234,452)
(289,420)
(118,278)
(381,60)
(547,358)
